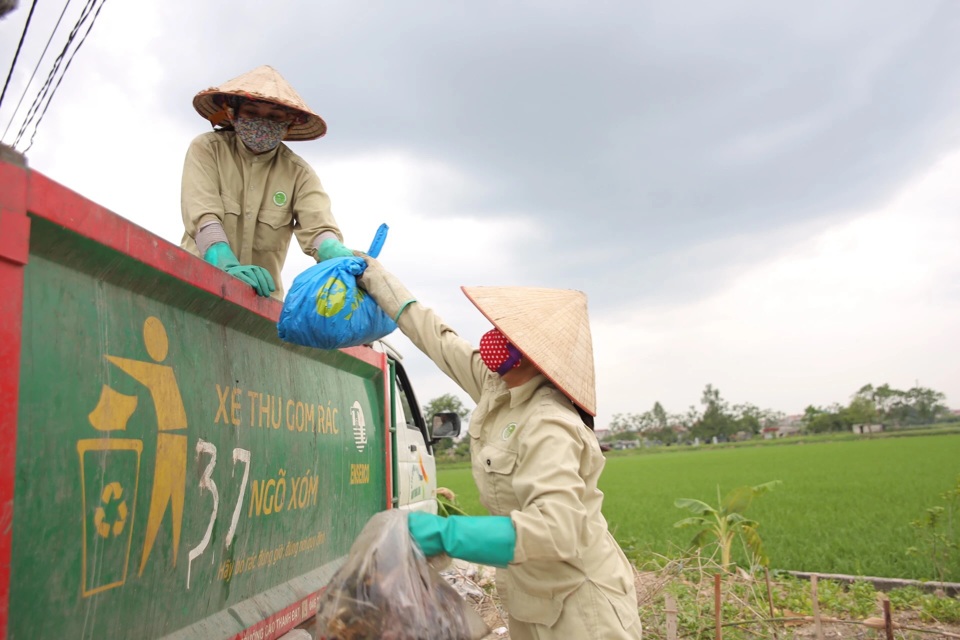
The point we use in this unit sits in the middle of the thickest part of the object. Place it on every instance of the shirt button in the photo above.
(488, 462)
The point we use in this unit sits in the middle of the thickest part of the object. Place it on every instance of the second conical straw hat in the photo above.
(263, 83)
(551, 327)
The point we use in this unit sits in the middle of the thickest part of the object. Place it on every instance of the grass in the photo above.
(844, 506)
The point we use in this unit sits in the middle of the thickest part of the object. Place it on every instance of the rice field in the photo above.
(843, 507)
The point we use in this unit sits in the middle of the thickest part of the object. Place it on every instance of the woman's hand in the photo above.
(384, 287)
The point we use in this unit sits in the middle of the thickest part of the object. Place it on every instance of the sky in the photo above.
(758, 196)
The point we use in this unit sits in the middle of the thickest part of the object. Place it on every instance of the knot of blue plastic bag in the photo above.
(326, 309)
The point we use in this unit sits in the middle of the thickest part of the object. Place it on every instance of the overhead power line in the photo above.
(17, 54)
(26, 87)
(46, 93)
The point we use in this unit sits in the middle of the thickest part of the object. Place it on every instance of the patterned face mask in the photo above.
(260, 134)
(497, 353)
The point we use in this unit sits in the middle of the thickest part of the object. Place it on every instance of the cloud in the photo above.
(746, 192)
(873, 299)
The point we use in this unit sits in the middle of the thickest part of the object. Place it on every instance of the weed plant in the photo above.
(746, 612)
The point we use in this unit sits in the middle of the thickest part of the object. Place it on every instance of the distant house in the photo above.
(788, 426)
(791, 421)
(780, 431)
(867, 428)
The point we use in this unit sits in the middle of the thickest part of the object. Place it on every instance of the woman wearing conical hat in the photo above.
(245, 193)
(535, 460)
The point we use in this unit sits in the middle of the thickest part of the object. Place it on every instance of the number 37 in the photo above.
(207, 484)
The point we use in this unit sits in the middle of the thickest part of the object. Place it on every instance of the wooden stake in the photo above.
(766, 572)
(887, 618)
(716, 607)
(671, 610)
(816, 607)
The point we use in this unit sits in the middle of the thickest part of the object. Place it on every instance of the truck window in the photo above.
(408, 414)
(411, 411)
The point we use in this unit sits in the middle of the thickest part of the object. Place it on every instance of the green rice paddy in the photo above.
(843, 507)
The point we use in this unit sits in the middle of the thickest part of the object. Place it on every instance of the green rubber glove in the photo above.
(484, 539)
(222, 257)
(332, 248)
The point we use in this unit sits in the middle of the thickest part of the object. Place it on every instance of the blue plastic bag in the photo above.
(326, 309)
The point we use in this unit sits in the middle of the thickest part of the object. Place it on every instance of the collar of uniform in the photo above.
(250, 156)
(522, 393)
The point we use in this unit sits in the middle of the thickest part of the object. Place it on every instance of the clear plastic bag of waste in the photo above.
(387, 590)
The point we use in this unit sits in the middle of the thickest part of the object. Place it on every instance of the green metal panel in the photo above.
(174, 458)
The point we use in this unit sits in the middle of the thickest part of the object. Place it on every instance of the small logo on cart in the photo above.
(359, 426)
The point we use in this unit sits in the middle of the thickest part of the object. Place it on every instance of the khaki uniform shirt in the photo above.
(261, 200)
(534, 460)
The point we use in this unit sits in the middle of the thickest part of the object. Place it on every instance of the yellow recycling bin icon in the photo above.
(112, 495)
(105, 559)
(106, 466)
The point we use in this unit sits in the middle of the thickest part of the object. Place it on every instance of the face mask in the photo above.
(260, 134)
(497, 353)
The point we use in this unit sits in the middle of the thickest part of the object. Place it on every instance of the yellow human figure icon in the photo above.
(170, 473)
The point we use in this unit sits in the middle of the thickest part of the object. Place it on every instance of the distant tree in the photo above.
(862, 410)
(927, 404)
(632, 422)
(623, 422)
(666, 435)
(715, 421)
(659, 416)
(817, 420)
(748, 417)
(884, 397)
(772, 418)
(918, 405)
(711, 397)
(690, 418)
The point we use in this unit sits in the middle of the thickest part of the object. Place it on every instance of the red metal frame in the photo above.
(14, 248)
(283, 621)
(54, 202)
(23, 190)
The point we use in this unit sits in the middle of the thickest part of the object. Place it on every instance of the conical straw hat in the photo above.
(551, 328)
(263, 83)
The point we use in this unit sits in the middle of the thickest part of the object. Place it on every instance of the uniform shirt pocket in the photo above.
(497, 460)
(230, 205)
(274, 228)
(497, 493)
(231, 216)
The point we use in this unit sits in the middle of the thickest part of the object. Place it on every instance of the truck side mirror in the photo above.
(445, 425)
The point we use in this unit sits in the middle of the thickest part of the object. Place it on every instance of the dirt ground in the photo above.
(476, 584)
(907, 626)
